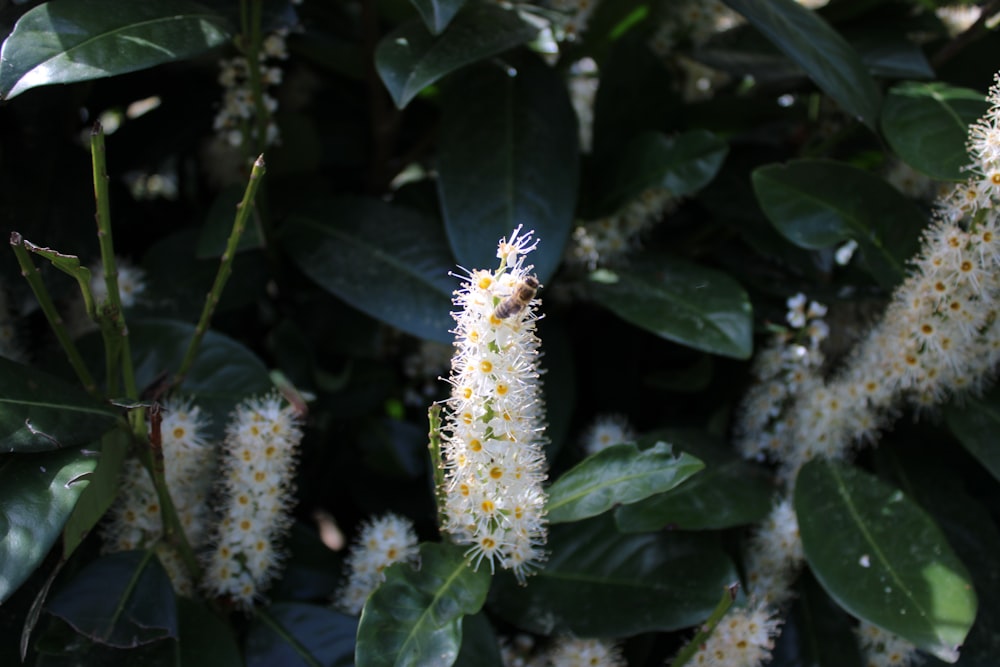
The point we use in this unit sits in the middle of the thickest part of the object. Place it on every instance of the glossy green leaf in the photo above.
(293, 633)
(415, 616)
(927, 125)
(882, 558)
(819, 203)
(410, 58)
(123, 600)
(813, 45)
(889, 52)
(40, 412)
(976, 423)
(37, 495)
(206, 640)
(728, 492)
(437, 14)
(508, 157)
(598, 582)
(618, 475)
(101, 491)
(224, 372)
(78, 40)
(683, 164)
(388, 262)
(689, 304)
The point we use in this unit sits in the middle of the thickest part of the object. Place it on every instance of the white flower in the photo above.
(382, 541)
(256, 499)
(494, 425)
(607, 430)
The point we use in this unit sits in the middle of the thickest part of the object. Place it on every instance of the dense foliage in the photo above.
(432, 332)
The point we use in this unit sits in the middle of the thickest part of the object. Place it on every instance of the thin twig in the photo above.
(30, 273)
(973, 33)
(705, 631)
(225, 269)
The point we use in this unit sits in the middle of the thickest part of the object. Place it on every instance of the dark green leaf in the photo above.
(976, 423)
(100, 492)
(819, 203)
(682, 164)
(508, 156)
(409, 58)
(37, 495)
(437, 14)
(415, 616)
(598, 582)
(388, 262)
(728, 492)
(819, 50)
(891, 53)
(618, 475)
(292, 634)
(39, 412)
(882, 558)
(816, 632)
(122, 600)
(479, 643)
(206, 640)
(77, 40)
(224, 372)
(927, 125)
(689, 304)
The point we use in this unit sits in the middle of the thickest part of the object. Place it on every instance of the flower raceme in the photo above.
(494, 426)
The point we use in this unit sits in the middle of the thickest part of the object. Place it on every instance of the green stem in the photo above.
(115, 313)
(173, 530)
(31, 274)
(252, 40)
(225, 269)
(434, 445)
(705, 631)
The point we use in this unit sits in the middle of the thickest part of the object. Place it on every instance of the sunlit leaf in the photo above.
(77, 40)
(386, 261)
(123, 600)
(813, 45)
(415, 616)
(927, 125)
(728, 492)
(689, 304)
(37, 495)
(39, 412)
(293, 633)
(508, 157)
(819, 203)
(618, 475)
(598, 582)
(410, 58)
(882, 558)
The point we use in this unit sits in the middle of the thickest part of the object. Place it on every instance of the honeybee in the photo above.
(520, 298)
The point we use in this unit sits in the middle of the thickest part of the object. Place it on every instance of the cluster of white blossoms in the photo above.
(744, 638)
(494, 426)
(884, 649)
(382, 541)
(608, 241)
(255, 492)
(562, 652)
(236, 120)
(134, 521)
(607, 430)
(938, 339)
